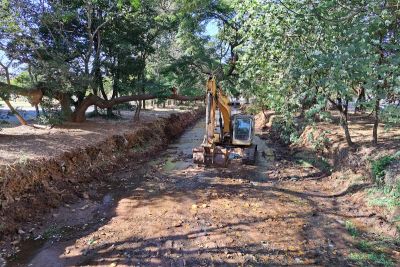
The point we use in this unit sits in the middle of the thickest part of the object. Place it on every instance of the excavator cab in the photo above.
(243, 130)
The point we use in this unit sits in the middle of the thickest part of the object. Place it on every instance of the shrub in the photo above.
(378, 167)
(284, 130)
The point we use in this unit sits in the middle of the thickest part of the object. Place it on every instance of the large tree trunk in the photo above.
(79, 113)
(65, 102)
(376, 123)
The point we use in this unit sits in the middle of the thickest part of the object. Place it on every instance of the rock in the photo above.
(204, 206)
(194, 206)
(21, 232)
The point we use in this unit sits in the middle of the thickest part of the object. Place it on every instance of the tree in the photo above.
(301, 56)
(73, 47)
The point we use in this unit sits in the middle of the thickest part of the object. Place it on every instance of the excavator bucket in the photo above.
(221, 157)
(211, 156)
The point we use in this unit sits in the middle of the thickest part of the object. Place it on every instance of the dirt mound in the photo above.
(30, 188)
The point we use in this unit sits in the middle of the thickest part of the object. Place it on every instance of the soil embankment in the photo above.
(29, 188)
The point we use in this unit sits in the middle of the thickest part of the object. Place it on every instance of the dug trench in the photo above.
(30, 188)
(166, 211)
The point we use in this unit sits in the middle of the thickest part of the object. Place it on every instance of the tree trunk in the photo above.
(15, 112)
(376, 123)
(136, 117)
(343, 118)
(360, 107)
(345, 126)
(65, 102)
(37, 111)
(110, 112)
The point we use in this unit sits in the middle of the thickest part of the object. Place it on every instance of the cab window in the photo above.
(242, 128)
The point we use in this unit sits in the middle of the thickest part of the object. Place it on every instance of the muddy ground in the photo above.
(169, 212)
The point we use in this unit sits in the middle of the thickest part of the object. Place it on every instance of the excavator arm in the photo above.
(217, 105)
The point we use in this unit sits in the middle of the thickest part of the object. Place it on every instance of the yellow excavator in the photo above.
(229, 135)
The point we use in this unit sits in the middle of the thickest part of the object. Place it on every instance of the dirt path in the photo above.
(169, 212)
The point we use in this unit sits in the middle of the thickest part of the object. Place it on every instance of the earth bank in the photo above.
(28, 188)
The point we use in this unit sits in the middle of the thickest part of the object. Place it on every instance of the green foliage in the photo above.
(372, 258)
(379, 166)
(53, 118)
(284, 130)
(300, 57)
(51, 113)
(253, 109)
(391, 116)
(320, 142)
(124, 106)
(370, 253)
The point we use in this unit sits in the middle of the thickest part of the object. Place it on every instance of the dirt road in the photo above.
(169, 212)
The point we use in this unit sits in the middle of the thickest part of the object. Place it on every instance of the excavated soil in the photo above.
(31, 187)
(169, 212)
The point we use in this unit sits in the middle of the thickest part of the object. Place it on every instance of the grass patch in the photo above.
(385, 196)
(371, 258)
(308, 160)
(304, 163)
(352, 229)
(51, 232)
(370, 253)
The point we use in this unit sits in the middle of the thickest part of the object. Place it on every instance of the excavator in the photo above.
(228, 134)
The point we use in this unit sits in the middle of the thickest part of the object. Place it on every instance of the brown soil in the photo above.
(18, 144)
(32, 186)
(336, 149)
(168, 212)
